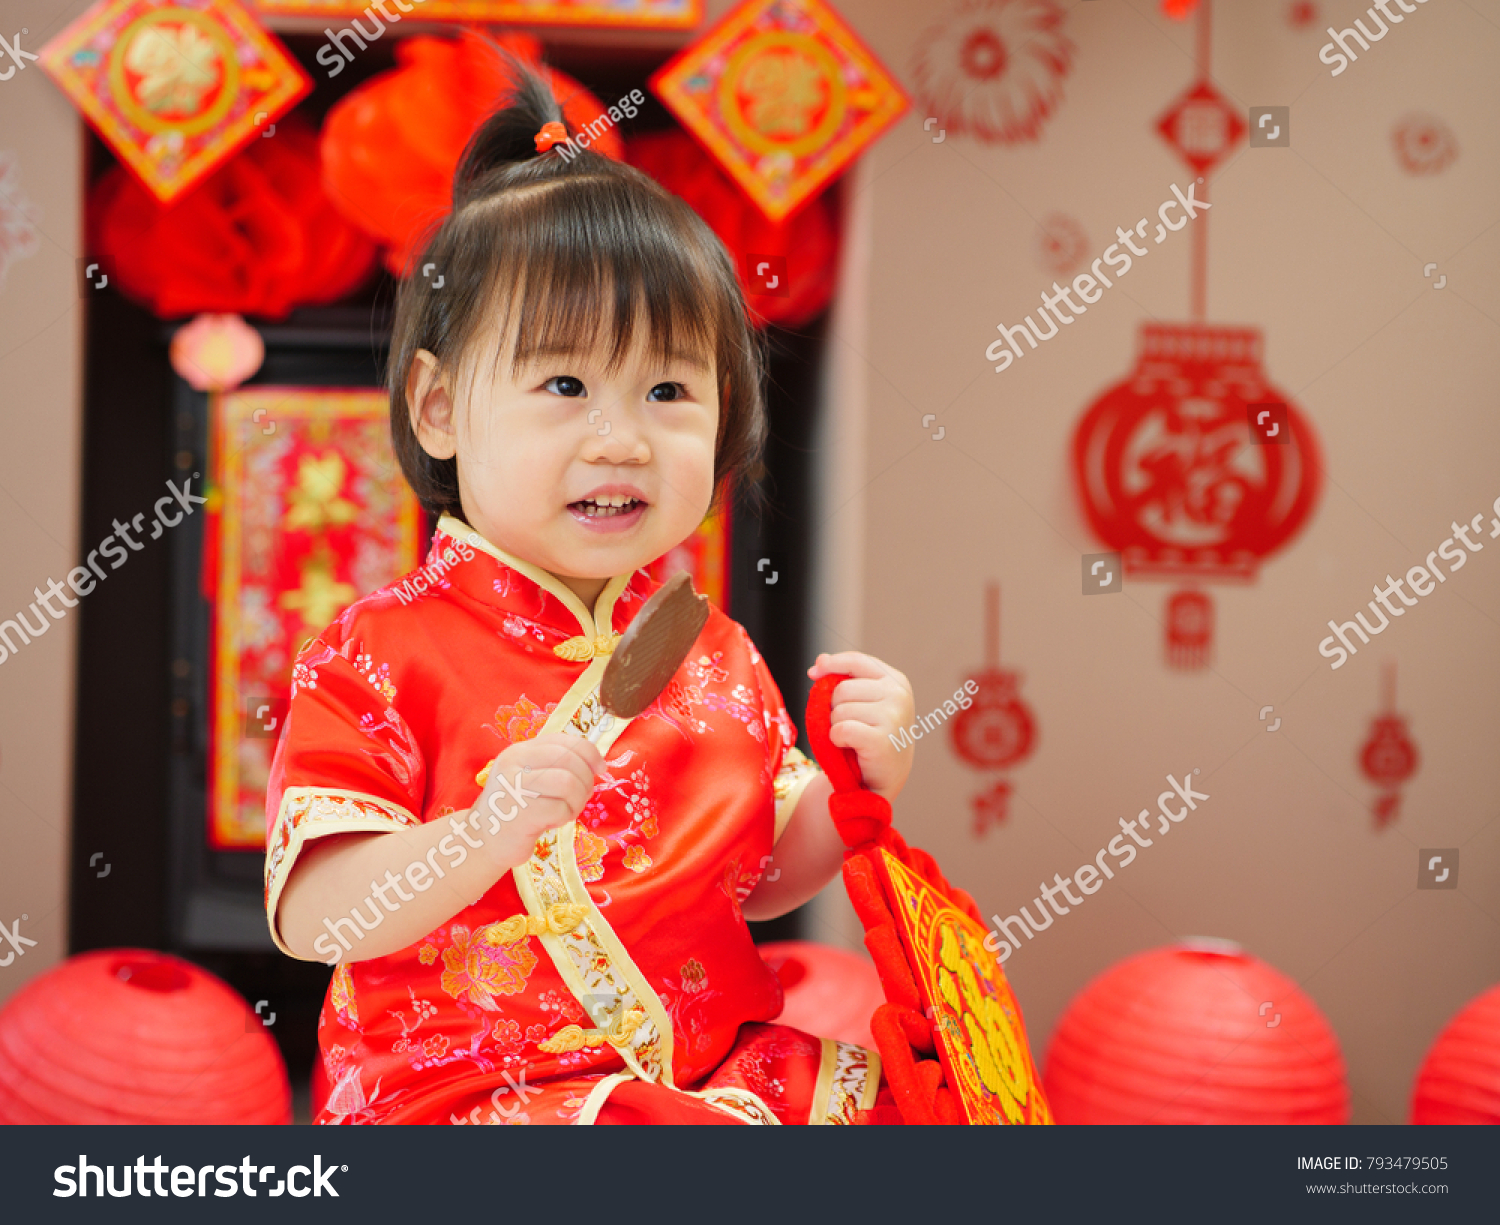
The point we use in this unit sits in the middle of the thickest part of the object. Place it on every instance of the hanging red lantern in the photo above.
(132, 1036)
(1173, 477)
(1389, 757)
(1459, 1081)
(803, 249)
(391, 146)
(257, 237)
(1198, 1032)
(997, 731)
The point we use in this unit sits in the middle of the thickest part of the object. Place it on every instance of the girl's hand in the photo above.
(534, 785)
(870, 707)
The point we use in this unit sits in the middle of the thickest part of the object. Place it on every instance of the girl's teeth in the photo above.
(594, 510)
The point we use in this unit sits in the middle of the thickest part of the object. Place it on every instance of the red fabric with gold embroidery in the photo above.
(951, 1036)
(396, 708)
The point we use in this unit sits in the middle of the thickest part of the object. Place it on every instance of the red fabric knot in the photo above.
(860, 816)
(551, 134)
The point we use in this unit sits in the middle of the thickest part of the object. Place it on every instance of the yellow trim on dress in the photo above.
(317, 812)
(741, 1103)
(791, 780)
(628, 1014)
(848, 1081)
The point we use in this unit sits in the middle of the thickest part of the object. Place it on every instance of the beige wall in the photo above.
(41, 389)
(1321, 245)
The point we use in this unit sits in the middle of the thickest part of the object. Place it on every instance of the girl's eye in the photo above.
(666, 392)
(565, 385)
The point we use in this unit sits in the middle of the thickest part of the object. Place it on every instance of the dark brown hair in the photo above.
(573, 247)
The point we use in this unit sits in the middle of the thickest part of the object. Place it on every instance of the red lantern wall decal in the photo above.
(1389, 757)
(1194, 465)
(1190, 629)
(997, 731)
(1171, 475)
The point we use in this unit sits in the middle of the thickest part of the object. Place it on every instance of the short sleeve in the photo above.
(346, 763)
(791, 770)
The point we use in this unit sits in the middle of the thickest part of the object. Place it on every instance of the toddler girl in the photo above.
(527, 927)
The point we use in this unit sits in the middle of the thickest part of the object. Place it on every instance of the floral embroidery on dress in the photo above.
(522, 721)
(517, 626)
(305, 670)
(738, 883)
(427, 954)
(341, 996)
(379, 677)
(403, 759)
(347, 1102)
(636, 859)
(478, 967)
(741, 705)
(589, 849)
(685, 998)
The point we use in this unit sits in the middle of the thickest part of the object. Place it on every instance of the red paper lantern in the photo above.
(132, 1036)
(830, 992)
(257, 237)
(800, 254)
(391, 146)
(1198, 1032)
(1459, 1081)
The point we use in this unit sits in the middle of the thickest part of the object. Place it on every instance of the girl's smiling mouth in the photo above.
(610, 509)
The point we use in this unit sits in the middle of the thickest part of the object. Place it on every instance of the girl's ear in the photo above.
(430, 408)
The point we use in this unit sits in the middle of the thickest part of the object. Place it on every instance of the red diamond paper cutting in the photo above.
(784, 95)
(1202, 127)
(174, 86)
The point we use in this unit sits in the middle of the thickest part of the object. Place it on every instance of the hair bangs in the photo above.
(595, 263)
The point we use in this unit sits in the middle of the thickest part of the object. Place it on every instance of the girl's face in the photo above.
(584, 472)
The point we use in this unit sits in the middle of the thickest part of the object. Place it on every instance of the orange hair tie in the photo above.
(551, 134)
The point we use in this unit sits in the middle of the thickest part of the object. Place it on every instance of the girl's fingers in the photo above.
(869, 714)
(855, 663)
(857, 736)
(570, 747)
(861, 689)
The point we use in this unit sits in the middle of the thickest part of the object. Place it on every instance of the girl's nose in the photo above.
(614, 435)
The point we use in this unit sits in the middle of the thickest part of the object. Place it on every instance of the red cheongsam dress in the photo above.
(611, 977)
